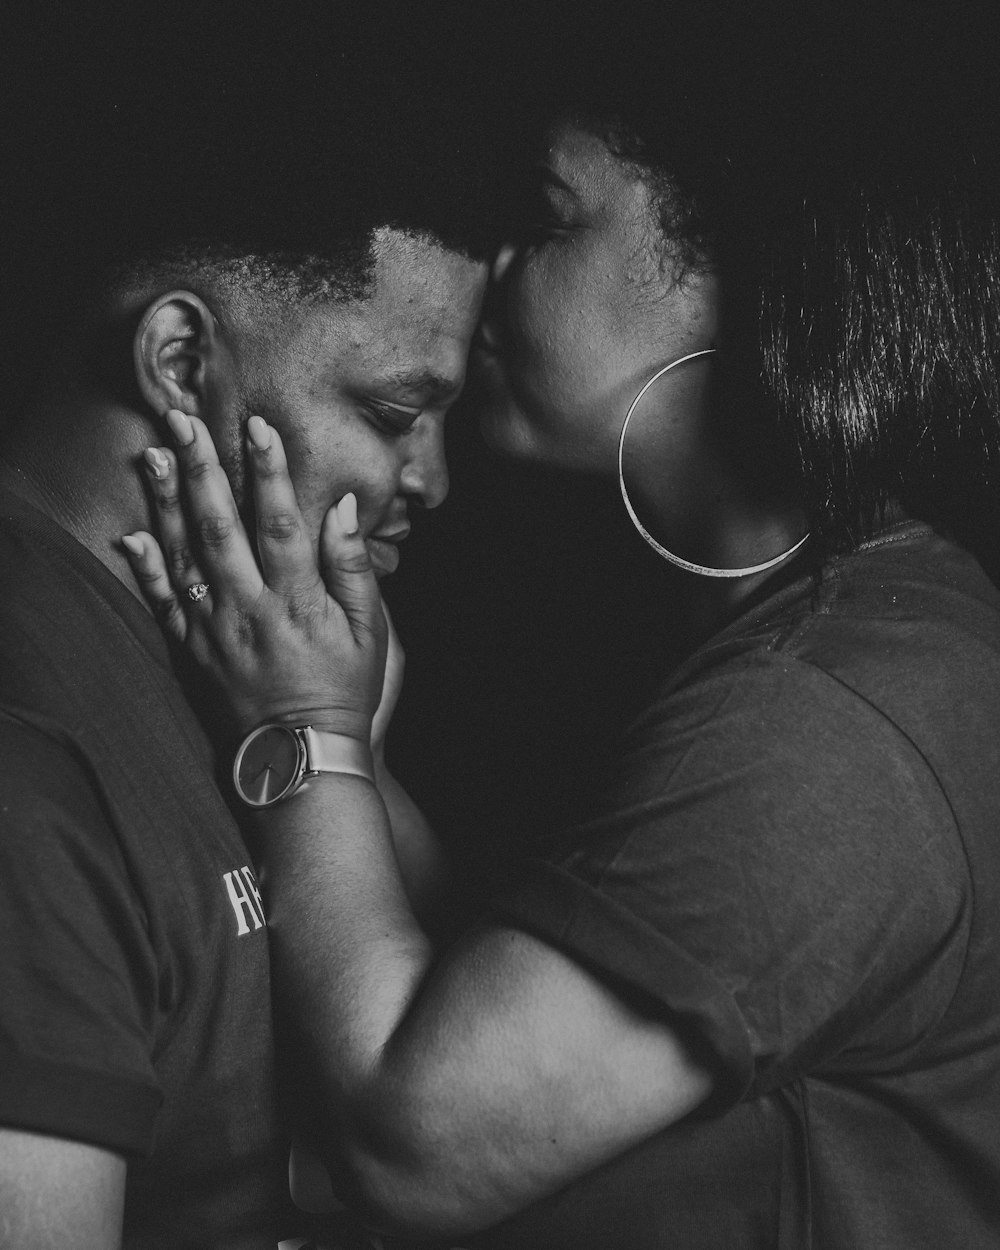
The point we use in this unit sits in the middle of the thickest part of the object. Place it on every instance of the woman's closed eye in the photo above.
(551, 209)
(547, 222)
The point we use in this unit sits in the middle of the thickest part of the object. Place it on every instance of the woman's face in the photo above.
(584, 311)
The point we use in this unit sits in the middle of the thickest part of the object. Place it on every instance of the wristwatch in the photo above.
(276, 760)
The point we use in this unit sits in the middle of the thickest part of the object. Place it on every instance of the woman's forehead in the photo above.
(569, 145)
(612, 192)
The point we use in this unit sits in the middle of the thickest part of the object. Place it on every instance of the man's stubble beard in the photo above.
(233, 456)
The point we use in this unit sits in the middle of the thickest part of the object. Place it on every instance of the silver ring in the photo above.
(197, 592)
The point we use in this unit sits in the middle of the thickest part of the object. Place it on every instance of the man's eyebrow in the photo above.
(436, 385)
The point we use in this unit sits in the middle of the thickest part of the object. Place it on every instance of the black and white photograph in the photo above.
(500, 625)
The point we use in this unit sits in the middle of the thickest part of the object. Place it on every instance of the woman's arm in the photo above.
(419, 854)
(456, 1089)
(59, 1194)
(422, 863)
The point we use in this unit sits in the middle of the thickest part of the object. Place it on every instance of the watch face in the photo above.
(268, 765)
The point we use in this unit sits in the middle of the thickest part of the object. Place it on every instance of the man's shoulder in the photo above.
(72, 637)
(47, 583)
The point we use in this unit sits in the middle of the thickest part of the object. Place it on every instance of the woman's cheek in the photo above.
(534, 299)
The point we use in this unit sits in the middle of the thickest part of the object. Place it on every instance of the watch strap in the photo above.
(336, 753)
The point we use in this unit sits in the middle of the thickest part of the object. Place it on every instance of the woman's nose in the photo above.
(492, 316)
(502, 262)
(425, 473)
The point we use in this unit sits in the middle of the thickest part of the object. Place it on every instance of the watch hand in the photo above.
(259, 786)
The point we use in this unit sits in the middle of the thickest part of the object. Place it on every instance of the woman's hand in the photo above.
(287, 640)
(392, 685)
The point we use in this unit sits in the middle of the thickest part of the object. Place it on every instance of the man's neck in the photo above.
(79, 463)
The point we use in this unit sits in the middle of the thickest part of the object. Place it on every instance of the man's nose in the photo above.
(425, 473)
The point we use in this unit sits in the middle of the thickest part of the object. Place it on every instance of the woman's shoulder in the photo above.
(909, 599)
(886, 666)
(909, 616)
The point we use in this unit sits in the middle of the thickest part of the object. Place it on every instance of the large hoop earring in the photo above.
(703, 569)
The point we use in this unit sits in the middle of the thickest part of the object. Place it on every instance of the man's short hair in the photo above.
(271, 160)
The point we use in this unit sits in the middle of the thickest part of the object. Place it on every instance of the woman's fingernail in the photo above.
(157, 462)
(133, 544)
(347, 514)
(181, 426)
(259, 432)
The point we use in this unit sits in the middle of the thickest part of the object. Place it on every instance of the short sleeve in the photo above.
(772, 865)
(78, 979)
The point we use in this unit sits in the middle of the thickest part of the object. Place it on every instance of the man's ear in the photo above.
(176, 348)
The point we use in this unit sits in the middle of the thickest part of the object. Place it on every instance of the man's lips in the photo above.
(384, 549)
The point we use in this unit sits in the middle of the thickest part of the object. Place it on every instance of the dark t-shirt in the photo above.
(134, 991)
(797, 861)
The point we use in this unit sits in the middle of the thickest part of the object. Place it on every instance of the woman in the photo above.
(750, 1000)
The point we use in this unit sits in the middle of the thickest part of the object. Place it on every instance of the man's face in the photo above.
(359, 391)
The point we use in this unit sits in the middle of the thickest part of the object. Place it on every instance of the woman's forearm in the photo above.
(349, 961)
(348, 950)
(419, 854)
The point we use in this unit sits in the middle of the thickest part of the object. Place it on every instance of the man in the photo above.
(218, 274)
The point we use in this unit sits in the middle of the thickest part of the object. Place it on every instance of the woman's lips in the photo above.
(487, 339)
